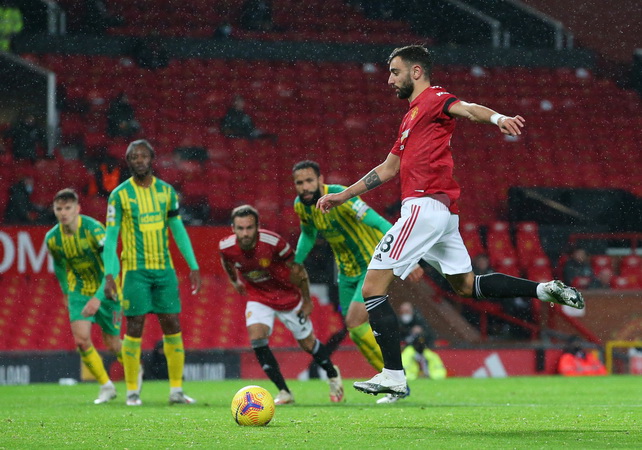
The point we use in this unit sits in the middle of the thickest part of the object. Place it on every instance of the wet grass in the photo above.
(528, 413)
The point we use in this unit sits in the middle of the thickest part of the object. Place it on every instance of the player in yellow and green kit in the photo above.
(76, 245)
(143, 208)
(352, 230)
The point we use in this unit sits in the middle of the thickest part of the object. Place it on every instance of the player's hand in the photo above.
(329, 201)
(195, 280)
(110, 288)
(306, 310)
(240, 287)
(416, 275)
(511, 125)
(91, 307)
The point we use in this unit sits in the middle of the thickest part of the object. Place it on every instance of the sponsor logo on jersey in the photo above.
(258, 276)
(151, 221)
(377, 257)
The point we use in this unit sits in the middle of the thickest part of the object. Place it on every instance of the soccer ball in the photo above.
(253, 406)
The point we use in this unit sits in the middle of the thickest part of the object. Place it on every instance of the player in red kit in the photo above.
(260, 265)
(428, 228)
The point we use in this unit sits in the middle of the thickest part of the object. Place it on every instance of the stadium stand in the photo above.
(210, 320)
(357, 117)
(314, 20)
(347, 127)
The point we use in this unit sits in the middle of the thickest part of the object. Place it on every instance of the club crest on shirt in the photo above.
(414, 112)
(264, 262)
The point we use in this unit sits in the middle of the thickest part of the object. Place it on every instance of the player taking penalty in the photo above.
(352, 230)
(76, 246)
(428, 228)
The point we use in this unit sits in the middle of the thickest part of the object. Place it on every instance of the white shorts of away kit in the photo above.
(256, 312)
(426, 230)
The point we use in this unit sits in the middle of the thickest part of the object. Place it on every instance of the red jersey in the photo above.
(264, 269)
(423, 144)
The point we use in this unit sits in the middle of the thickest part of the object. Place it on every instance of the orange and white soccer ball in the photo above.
(253, 406)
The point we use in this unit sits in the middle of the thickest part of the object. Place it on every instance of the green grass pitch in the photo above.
(519, 412)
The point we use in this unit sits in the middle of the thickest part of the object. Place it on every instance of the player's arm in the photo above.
(233, 276)
(479, 113)
(299, 277)
(110, 257)
(307, 239)
(376, 177)
(93, 305)
(373, 219)
(184, 244)
(60, 269)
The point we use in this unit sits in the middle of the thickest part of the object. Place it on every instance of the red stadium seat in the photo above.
(601, 262)
(499, 243)
(528, 244)
(539, 274)
(472, 239)
(622, 283)
(507, 265)
(631, 265)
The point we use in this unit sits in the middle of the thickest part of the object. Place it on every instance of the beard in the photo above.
(316, 195)
(405, 90)
(142, 173)
(247, 243)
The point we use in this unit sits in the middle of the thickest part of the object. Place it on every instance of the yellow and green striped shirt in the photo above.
(80, 254)
(143, 215)
(352, 241)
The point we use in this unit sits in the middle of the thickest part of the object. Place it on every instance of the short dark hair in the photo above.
(307, 164)
(143, 143)
(414, 54)
(66, 195)
(244, 211)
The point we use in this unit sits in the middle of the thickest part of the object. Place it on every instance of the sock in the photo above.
(498, 285)
(397, 375)
(364, 339)
(335, 340)
(385, 328)
(175, 355)
(131, 362)
(331, 345)
(119, 356)
(322, 358)
(270, 366)
(91, 358)
(543, 295)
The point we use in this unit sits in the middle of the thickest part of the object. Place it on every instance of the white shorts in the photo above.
(426, 230)
(256, 312)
